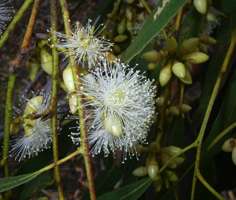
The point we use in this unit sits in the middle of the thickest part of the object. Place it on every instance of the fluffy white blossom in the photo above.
(5, 14)
(37, 132)
(122, 106)
(85, 45)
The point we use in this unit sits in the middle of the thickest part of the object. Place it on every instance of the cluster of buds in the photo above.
(230, 146)
(128, 17)
(157, 158)
(69, 80)
(177, 59)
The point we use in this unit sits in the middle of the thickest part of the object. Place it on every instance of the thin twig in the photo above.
(14, 21)
(83, 132)
(57, 176)
(214, 94)
(221, 135)
(11, 84)
(7, 122)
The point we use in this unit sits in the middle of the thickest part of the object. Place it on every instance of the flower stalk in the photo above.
(54, 92)
(83, 132)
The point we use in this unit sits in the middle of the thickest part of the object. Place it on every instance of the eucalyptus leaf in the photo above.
(151, 28)
(15, 181)
(128, 192)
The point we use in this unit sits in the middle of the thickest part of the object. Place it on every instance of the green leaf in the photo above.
(151, 29)
(34, 186)
(15, 181)
(128, 192)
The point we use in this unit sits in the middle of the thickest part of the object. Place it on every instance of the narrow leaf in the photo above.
(15, 181)
(151, 29)
(128, 192)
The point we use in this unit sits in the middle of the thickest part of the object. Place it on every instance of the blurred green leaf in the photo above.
(32, 187)
(128, 192)
(12, 182)
(151, 29)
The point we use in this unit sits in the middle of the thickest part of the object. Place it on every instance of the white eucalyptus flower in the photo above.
(5, 14)
(37, 132)
(85, 45)
(123, 106)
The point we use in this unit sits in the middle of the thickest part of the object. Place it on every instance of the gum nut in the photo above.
(140, 171)
(151, 56)
(165, 75)
(153, 171)
(73, 103)
(200, 5)
(33, 105)
(234, 155)
(196, 57)
(46, 61)
(228, 145)
(179, 69)
(68, 79)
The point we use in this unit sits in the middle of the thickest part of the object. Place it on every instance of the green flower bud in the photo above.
(151, 56)
(189, 45)
(152, 66)
(121, 26)
(46, 61)
(129, 26)
(120, 38)
(174, 110)
(185, 108)
(153, 171)
(179, 69)
(129, 14)
(140, 171)
(196, 57)
(68, 79)
(73, 103)
(32, 107)
(171, 45)
(228, 145)
(234, 155)
(171, 176)
(200, 5)
(165, 75)
(188, 78)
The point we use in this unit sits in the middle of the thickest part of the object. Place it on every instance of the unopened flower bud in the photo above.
(171, 45)
(196, 57)
(32, 107)
(33, 104)
(234, 155)
(121, 26)
(189, 45)
(140, 171)
(153, 171)
(113, 125)
(188, 78)
(151, 56)
(46, 61)
(200, 5)
(73, 103)
(171, 176)
(68, 78)
(174, 110)
(185, 108)
(229, 145)
(179, 69)
(120, 38)
(152, 66)
(165, 75)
